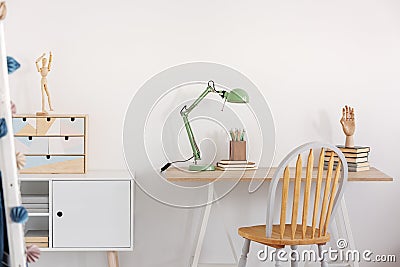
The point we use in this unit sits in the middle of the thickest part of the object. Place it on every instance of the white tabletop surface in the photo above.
(90, 175)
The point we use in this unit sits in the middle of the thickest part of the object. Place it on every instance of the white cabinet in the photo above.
(85, 212)
(91, 214)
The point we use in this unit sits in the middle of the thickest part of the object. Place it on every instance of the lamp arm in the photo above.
(185, 113)
(186, 110)
(195, 148)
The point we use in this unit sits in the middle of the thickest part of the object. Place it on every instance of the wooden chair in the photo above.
(308, 232)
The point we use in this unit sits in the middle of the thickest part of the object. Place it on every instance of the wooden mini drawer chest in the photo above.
(52, 143)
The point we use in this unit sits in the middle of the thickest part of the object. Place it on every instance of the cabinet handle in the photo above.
(59, 214)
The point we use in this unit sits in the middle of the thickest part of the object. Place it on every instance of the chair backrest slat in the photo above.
(307, 190)
(317, 192)
(285, 192)
(331, 200)
(332, 193)
(296, 195)
(327, 192)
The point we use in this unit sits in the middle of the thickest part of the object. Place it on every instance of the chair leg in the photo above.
(293, 262)
(278, 262)
(324, 263)
(245, 251)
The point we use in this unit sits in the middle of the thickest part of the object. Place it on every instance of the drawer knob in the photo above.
(59, 214)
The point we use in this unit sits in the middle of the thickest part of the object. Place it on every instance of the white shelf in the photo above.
(121, 175)
(37, 214)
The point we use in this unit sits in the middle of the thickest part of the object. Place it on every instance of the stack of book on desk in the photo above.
(38, 238)
(36, 203)
(356, 157)
(235, 165)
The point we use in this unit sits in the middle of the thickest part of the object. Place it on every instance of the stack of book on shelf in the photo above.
(38, 238)
(356, 157)
(36, 203)
(235, 165)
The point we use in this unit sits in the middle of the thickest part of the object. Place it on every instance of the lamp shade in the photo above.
(237, 96)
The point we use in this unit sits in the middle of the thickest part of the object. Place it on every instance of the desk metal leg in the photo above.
(228, 235)
(206, 216)
(203, 227)
(342, 223)
(341, 228)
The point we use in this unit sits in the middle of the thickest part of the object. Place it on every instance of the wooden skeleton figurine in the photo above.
(44, 70)
(348, 125)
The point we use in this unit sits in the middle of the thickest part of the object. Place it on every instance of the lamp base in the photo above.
(201, 168)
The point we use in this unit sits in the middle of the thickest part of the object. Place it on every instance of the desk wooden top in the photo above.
(178, 175)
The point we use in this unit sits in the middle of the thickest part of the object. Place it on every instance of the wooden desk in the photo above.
(177, 175)
(262, 174)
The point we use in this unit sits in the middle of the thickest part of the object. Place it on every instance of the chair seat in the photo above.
(258, 234)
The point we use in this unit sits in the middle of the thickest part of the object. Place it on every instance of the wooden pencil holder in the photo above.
(237, 150)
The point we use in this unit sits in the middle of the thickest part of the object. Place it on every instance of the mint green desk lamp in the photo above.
(234, 96)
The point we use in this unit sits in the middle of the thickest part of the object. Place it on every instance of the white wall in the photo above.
(309, 58)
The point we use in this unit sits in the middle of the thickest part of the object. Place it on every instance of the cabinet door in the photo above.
(91, 214)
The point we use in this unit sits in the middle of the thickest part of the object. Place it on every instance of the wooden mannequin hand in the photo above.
(348, 125)
(347, 121)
